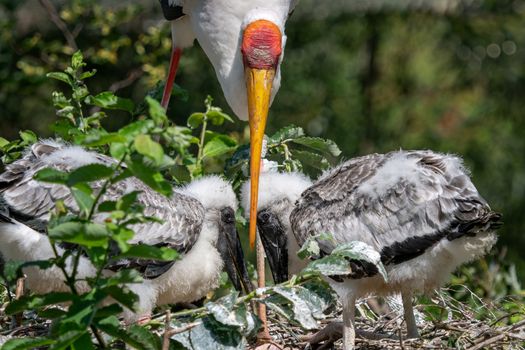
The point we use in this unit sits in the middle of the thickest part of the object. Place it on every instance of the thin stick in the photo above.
(19, 292)
(55, 18)
(166, 338)
(264, 334)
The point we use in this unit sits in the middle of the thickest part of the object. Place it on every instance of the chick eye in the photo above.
(227, 216)
(264, 217)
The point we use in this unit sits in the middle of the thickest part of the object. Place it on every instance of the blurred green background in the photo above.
(371, 75)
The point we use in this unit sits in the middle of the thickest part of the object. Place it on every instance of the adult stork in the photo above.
(198, 221)
(244, 41)
(418, 209)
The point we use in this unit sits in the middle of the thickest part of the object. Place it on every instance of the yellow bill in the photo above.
(259, 87)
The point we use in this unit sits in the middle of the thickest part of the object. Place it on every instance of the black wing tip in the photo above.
(4, 217)
(171, 13)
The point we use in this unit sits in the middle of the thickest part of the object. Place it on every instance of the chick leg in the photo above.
(348, 322)
(410, 319)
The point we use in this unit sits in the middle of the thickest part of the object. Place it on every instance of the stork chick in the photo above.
(419, 209)
(198, 222)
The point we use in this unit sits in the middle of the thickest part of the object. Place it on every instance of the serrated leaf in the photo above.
(96, 138)
(153, 179)
(195, 120)
(60, 76)
(301, 309)
(86, 234)
(217, 117)
(135, 336)
(31, 302)
(77, 60)
(222, 311)
(145, 251)
(358, 250)
(311, 159)
(51, 175)
(289, 132)
(219, 145)
(209, 335)
(109, 100)
(27, 343)
(123, 295)
(83, 197)
(156, 112)
(28, 137)
(331, 265)
(3, 142)
(66, 339)
(88, 74)
(89, 173)
(149, 148)
(310, 247)
(327, 147)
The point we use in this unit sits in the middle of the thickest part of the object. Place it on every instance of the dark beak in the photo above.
(229, 246)
(275, 244)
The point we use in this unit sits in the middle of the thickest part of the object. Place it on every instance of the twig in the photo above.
(55, 18)
(167, 330)
(130, 79)
(183, 329)
(19, 292)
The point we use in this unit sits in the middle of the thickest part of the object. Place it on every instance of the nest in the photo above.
(461, 328)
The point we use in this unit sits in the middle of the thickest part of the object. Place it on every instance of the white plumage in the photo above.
(418, 209)
(194, 218)
(218, 26)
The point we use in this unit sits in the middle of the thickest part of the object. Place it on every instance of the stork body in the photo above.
(244, 41)
(194, 218)
(418, 209)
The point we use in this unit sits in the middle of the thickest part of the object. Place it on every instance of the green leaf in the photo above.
(60, 76)
(66, 339)
(289, 132)
(52, 176)
(145, 251)
(137, 337)
(83, 197)
(153, 179)
(130, 131)
(84, 342)
(123, 295)
(219, 145)
(86, 234)
(223, 312)
(96, 138)
(217, 117)
(149, 148)
(3, 142)
(31, 302)
(89, 173)
(126, 201)
(88, 74)
(210, 335)
(301, 309)
(311, 159)
(357, 250)
(331, 265)
(156, 112)
(327, 147)
(28, 137)
(77, 60)
(195, 120)
(27, 343)
(311, 248)
(109, 100)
